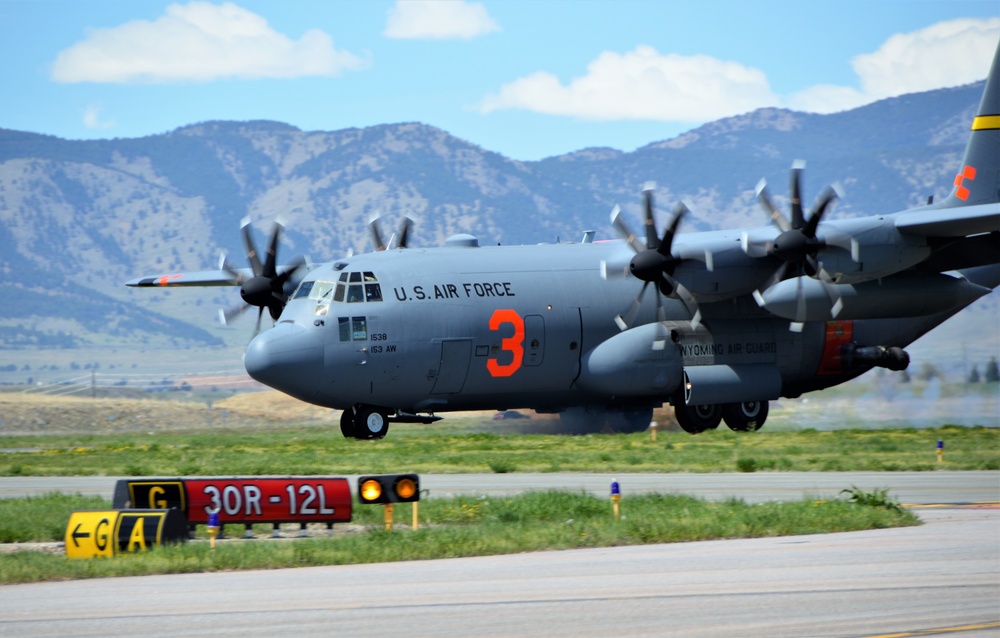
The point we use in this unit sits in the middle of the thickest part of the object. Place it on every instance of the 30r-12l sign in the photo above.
(247, 500)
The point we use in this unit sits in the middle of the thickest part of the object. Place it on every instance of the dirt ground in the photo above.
(34, 414)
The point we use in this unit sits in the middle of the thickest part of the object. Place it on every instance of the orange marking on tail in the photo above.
(968, 173)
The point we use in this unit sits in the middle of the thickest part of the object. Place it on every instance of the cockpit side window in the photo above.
(303, 289)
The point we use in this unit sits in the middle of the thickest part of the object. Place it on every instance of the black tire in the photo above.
(695, 419)
(347, 423)
(370, 422)
(578, 421)
(748, 416)
(630, 421)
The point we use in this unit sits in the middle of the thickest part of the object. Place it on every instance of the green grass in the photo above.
(312, 450)
(455, 527)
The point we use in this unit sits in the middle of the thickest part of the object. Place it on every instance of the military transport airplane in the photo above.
(734, 319)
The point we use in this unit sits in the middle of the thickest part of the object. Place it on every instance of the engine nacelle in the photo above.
(715, 384)
(859, 251)
(638, 362)
(905, 295)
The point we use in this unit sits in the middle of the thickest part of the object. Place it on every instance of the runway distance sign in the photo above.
(112, 532)
(244, 500)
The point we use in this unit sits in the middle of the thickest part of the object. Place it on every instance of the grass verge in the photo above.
(308, 450)
(450, 528)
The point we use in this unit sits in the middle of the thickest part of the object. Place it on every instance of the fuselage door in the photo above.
(454, 366)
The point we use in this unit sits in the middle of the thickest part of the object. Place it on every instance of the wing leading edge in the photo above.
(201, 278)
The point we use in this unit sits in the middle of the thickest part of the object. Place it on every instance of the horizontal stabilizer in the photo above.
(950, 222)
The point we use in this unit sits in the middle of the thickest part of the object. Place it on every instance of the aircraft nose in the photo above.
(287, 357)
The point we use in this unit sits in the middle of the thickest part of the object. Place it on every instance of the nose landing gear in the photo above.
(364, 422)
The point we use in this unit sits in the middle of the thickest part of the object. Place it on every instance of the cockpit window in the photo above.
(313, 289)
(351, 287)
(303, 289)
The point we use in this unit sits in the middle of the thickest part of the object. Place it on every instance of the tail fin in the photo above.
(978, 182)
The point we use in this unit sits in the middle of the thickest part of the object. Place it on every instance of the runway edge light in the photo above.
(388, 488)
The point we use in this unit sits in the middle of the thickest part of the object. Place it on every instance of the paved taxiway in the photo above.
(906, 487)
(945, 573)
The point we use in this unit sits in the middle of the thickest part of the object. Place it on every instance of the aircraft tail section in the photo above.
(978, 179)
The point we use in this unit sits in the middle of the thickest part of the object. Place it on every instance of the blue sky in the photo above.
(528, 79)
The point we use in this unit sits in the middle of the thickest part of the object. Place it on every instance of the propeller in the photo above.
(797, 245)
(653, 262)
(267, 288)
(397, 240)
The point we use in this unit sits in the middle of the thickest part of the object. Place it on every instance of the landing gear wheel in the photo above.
(748, 416)
(370, 422)
(695, 419)
(347, 423)
(578, 421)
(630, 421)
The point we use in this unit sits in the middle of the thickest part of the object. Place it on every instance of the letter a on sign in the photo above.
(138, 537)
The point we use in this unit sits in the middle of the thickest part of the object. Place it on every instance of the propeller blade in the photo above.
(292, 268)
(376, 234)
(226, 267)
(652, 241)
(624, 323)
(227, 315)
(260, 313)
(404, 231)
(836, 302)
(690, 303)
(252, 257)
(764, 197)
(611, 271)
(800, 301)
(270, 262)
(624, 231)
(826, 198)
(795, 190)
(668, 235)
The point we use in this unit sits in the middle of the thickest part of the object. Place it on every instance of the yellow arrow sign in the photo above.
(91, 534)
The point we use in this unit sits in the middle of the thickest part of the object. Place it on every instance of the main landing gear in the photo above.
(748, 416)
(591, 420)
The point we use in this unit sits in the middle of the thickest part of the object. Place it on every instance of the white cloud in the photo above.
(642, 85)
(92, 118)
(438, 20)
(944, 54)
(199, 42)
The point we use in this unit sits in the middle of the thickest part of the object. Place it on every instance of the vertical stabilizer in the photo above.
(978, 179)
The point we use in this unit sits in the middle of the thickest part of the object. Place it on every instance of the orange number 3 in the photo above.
(514, 344)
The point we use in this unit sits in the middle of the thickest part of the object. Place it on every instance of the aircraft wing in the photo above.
(951, 222)
(202, 278)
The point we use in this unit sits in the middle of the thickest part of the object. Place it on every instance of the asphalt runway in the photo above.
(944, 575)
(906, 487)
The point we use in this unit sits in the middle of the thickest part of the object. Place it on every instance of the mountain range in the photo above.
(79, 218)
